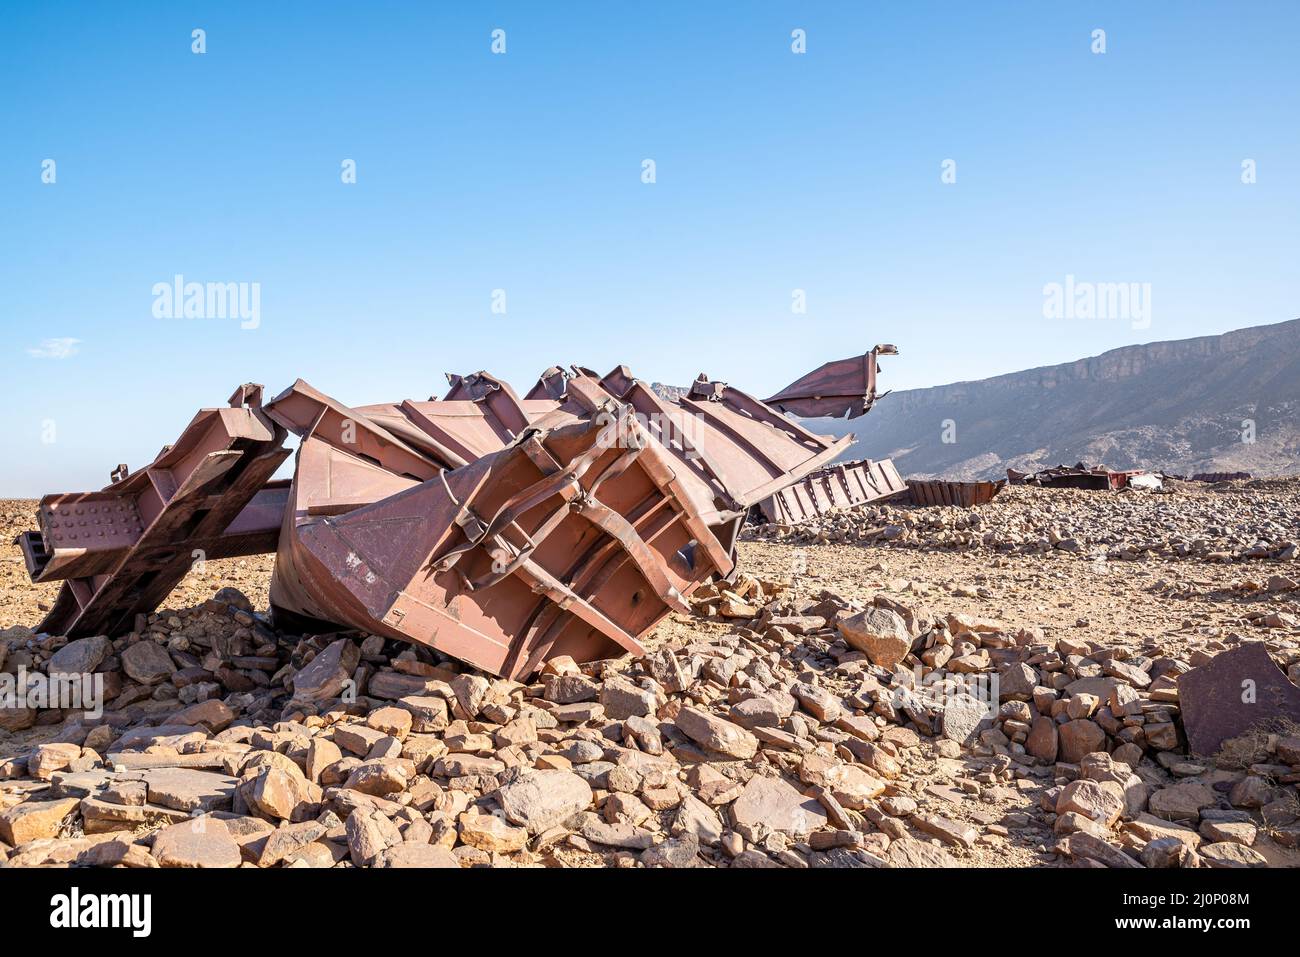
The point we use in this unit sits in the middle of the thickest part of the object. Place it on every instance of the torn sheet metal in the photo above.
(1235, 692)
(844, 388)
(120, 551)
(842, 485)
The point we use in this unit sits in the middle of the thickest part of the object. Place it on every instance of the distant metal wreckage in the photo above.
(498, 529)
(1081, 476)
(963, 494)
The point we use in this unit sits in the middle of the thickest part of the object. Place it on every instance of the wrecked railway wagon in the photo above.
(498, 529)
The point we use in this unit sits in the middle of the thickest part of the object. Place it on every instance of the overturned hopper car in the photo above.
(495, 528)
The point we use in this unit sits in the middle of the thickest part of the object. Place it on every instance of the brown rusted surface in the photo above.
(503, 530)
(846, 387)
(1235, 692)
(964, 494)
(121, 550)
(842, 485)
(495, 527)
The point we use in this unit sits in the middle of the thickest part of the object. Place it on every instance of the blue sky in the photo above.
(522, 172)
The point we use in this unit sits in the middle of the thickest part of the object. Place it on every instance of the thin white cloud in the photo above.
(59, 348)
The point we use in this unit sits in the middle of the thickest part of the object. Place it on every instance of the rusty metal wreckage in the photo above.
(497, 529)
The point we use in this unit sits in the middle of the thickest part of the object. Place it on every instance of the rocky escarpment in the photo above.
(1213, 403)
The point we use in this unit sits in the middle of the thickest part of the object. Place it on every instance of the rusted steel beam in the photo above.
(254, 531)
(121, 550)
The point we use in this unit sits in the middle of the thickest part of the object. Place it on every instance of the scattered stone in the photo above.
(879, 633)
(32, 820)
(200, 842)
(1231, 854)
(325, 675)
(1100, 801)
(540, 800)
(416, 856)
(1080, 737)
(147, 663)
(963, 718)
(81, 656)
(716, 734)
(488, 832)
(1181, 802)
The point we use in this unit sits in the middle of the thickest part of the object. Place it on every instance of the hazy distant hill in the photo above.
(1177, 406)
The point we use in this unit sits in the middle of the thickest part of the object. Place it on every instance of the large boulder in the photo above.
(322, 678)
(147, 662)
(81, 656)
(542, 799)
(879, 633)
(716, 734)
(769, 804)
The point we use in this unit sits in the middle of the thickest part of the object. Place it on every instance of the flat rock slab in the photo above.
(202, 842)
(773, 804)
(168, 735)
(623, 835)
(909, 852)
(543, 799)
(32, 820)
(188, 789)
(417, 855)
(1230, 854)
(1100, 686)
(80, 784)
(1236, 691)
(141, 760)
(99, 816)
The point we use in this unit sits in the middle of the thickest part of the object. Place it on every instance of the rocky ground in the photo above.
(828, 711)
(1230, 521)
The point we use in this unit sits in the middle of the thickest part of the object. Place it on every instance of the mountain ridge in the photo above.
(1219, 403)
